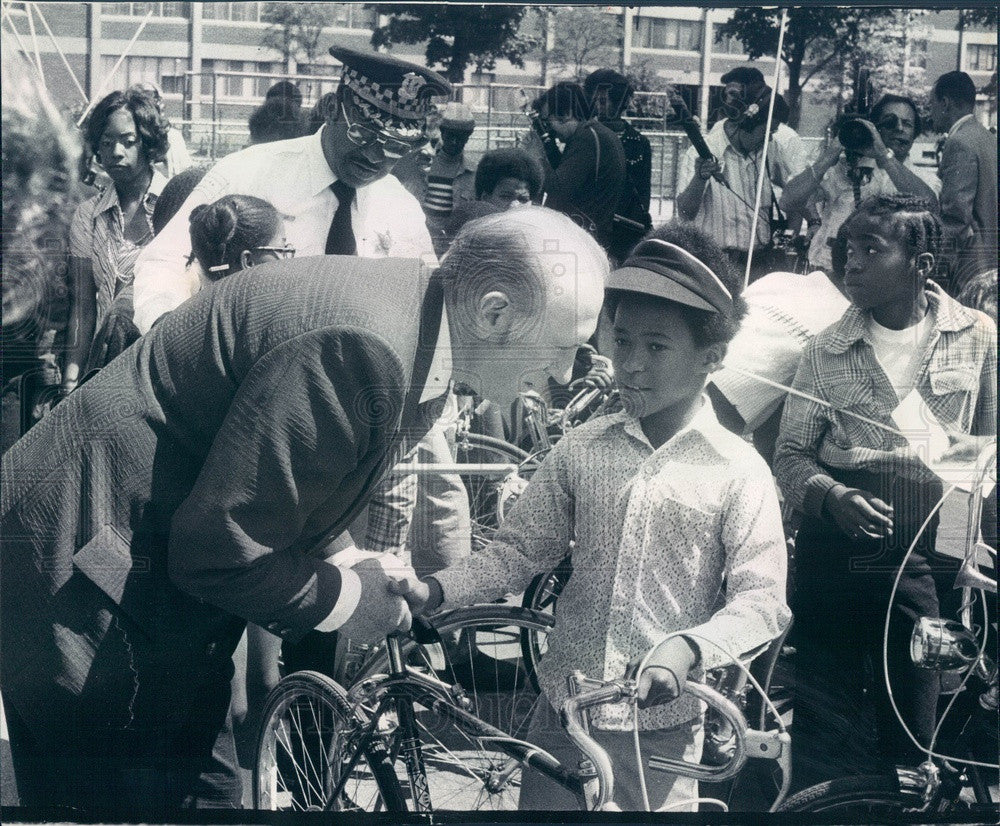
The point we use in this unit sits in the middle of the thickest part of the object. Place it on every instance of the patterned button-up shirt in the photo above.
(684, 537)
(97, 234)
(957, 379)
(726, 215)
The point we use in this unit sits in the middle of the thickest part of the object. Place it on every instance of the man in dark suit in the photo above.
(197, 481)
(968, 171)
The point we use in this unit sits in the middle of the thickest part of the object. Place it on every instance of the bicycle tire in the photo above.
(476, 448)
(299, 700)
(487, 664)
(858, 799)
(542, 595)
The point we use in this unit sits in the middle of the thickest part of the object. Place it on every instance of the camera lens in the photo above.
(854, 136)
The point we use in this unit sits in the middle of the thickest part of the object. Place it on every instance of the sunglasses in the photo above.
(287, 251)
(393, 148)
(892, 122)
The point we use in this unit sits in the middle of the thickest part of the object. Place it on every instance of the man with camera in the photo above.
(718, 194)
(857, 164)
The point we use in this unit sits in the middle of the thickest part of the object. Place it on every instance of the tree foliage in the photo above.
(890, 49)
(983, 16)
(816, 37)
(585, 38)
(295, 28)
(457, 36)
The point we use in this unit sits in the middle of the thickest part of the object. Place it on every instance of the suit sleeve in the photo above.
(959, 172)
(300, 422)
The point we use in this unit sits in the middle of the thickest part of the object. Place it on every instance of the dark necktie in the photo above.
(340, 239)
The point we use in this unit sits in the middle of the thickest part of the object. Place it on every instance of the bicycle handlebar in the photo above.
(734, 717)
(617, 690)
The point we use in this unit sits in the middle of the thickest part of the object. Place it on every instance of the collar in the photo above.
(108, 199)
(955, 126)
(948, 315)
(314, 168)
(439, 374)
(704, 423)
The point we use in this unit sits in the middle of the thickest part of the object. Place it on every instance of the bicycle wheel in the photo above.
(474, 448)
(541, 595)
(857, 799)
(477, 649)
(306, 744)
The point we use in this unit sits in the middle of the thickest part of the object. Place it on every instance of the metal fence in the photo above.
(500, 112)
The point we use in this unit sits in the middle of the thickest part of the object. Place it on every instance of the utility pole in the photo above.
(961, 40)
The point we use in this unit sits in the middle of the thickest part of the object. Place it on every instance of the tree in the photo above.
(295, 28)
(456, 35)
(889, 49)
(816, 38)
(584, 37)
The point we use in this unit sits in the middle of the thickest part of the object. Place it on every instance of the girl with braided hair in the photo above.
(843, 462)
(236, 232)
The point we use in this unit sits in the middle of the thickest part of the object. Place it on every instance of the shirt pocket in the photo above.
(954, 389)
(853, 401)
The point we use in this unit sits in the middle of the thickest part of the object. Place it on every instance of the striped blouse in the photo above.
(97, 234)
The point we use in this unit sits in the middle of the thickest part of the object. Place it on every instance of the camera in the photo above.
(853, 135)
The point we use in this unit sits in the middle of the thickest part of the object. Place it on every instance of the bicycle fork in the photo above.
(409, 744)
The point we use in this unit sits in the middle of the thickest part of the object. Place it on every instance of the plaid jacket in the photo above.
(957, 379)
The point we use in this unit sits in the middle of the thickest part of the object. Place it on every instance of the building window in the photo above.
(248, 85)
(729, 45)
(166, 72)
(353, 16)
(659, 33)
(981, 57)
(142, 9)
(239, 12)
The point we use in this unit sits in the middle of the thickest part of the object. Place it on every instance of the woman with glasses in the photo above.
(234, 233)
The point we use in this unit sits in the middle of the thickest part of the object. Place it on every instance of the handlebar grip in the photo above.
(734, 717)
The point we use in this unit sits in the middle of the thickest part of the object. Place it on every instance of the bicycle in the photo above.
(405, 738)
(939, 784)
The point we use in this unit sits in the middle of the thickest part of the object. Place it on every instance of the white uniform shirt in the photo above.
(684, 537)
(785, 310)
(294, 176)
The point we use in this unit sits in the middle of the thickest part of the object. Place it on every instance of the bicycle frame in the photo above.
(406, 687)
(591, 782)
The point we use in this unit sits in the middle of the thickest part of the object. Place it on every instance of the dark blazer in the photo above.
(186, 486)
(968, 171)
(589, 180)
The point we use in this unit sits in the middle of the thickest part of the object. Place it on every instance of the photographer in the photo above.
(858, 164)
(718, 195)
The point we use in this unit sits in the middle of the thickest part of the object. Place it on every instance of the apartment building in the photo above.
(209, 60)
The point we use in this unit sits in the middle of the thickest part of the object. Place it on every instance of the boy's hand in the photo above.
(423, 596)
(859, 513)
(965, 448)
(666, 672)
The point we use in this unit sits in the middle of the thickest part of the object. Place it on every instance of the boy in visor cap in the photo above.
(674, 507)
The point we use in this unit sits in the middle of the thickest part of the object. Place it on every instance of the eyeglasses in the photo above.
(393, 148)
(287, 251)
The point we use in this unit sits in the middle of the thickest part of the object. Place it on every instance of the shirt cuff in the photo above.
(816, 489)
(347, 602)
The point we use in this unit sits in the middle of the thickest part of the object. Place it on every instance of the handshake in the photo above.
(391, 593)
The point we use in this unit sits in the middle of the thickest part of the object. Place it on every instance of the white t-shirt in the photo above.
(899, 351)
